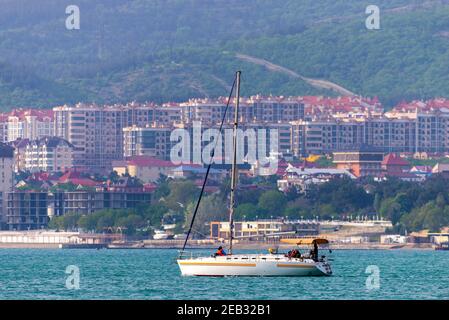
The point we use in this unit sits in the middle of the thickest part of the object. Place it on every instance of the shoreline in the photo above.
(237, 246)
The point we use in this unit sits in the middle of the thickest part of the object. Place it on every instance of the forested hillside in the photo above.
(170, 50)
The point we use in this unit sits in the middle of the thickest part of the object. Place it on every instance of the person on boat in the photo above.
(315, 252)
(220, 251)
(294, 254)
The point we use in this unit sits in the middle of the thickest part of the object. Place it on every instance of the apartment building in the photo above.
(262, 139)
(50, 154)
(361, 163)
(325, 136)
(97, 131)
(277, 109)
(33, 209)
(169, 114)
(253, 109)
(3, 127)
(393, 132)
(6, 178)
(430, 128)
(30, 124)
(152, 141)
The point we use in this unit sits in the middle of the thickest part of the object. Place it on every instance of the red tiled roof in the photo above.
(84, 182)
(39, 113)
(393, 160)
(69, 175)
(76, 178)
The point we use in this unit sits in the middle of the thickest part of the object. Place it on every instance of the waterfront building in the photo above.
(33, 209)
(53, 239)
(260, 229)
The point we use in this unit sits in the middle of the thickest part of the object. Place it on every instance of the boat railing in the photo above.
(185, 255)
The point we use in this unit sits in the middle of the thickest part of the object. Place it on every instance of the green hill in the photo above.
(171, 50)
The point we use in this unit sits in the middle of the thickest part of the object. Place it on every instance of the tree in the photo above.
(273, 202)
(129, 223)
(391, 210)
(155, 213)
(113, 176)
(292, 194)
(248, 211)
(88, 222)
(212, 208)
(295, 210)
(326, 211)
(181, 194)
(105, 221)
(56, 223)
(377, 202)
(430, 216)
(162, 190)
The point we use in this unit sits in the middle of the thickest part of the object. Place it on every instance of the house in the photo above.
(361, 163)
(395, 166)
(439, 238)
(302, 178)
(191, 171)
(147, 169)
(77, 179)
(422, 171)
(441, 168)
(272, 166)
(393, 238)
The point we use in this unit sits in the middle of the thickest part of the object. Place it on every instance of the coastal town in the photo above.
(87, 158)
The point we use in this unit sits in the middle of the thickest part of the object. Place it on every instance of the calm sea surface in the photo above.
(153, 274)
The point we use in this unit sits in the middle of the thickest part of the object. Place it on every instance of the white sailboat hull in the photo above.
(253, 265)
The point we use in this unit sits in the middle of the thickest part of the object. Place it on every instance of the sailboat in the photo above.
(270, 264)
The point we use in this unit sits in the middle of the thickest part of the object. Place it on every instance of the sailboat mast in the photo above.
(234, 162)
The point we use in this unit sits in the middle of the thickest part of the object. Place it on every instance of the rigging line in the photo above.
(208, 168)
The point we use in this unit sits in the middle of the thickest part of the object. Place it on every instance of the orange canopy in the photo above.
(306, 241)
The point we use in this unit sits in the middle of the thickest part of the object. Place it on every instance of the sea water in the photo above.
(154, 274)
